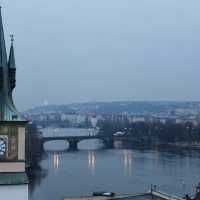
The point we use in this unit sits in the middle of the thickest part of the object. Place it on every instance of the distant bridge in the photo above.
(74, 140)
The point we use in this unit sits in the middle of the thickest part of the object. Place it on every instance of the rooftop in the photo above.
(13, 178)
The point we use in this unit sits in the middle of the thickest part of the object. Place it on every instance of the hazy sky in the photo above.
(89, 50)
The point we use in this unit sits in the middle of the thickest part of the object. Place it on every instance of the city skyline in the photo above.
(106, 104)
(78, 51)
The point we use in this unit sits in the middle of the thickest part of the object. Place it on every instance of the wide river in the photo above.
(93, 168)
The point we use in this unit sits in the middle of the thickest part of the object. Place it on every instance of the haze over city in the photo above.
(77, 51)
(99, 100)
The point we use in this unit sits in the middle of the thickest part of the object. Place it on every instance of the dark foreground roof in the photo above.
(13, 179)
(152, 195)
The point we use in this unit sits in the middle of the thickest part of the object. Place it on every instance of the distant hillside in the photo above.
(135, 107)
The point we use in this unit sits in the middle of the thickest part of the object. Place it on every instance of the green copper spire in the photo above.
(8, 111)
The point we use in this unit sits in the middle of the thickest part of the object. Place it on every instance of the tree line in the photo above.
(168, 132)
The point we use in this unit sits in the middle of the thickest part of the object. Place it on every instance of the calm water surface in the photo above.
(118, 170)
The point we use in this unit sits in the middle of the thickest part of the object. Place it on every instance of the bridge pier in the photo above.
(108, 143)
(73, 145)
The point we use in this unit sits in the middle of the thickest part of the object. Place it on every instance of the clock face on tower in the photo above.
(8, 143)
(3, 146)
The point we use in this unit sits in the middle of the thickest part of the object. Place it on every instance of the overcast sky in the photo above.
(93, 50)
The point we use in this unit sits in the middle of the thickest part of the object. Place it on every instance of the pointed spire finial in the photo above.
(11, 60)
(12, 38)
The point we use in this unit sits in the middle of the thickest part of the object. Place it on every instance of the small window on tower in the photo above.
(14, 117)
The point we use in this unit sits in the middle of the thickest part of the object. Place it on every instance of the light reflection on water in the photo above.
(56, 160)
(91, 160)
(117, 170)
(128, 161)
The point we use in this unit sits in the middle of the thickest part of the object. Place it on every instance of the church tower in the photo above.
(12, 124)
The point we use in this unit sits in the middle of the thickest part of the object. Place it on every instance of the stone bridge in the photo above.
(74, 140)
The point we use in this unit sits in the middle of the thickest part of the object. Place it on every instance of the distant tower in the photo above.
(12, 124)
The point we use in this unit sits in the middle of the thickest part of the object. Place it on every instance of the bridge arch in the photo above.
(55, 145)
(90, 144)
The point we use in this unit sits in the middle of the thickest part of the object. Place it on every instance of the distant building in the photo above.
(63, 116)
(81, 119)
(72, 118)
(94, 121)
(134, 119)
